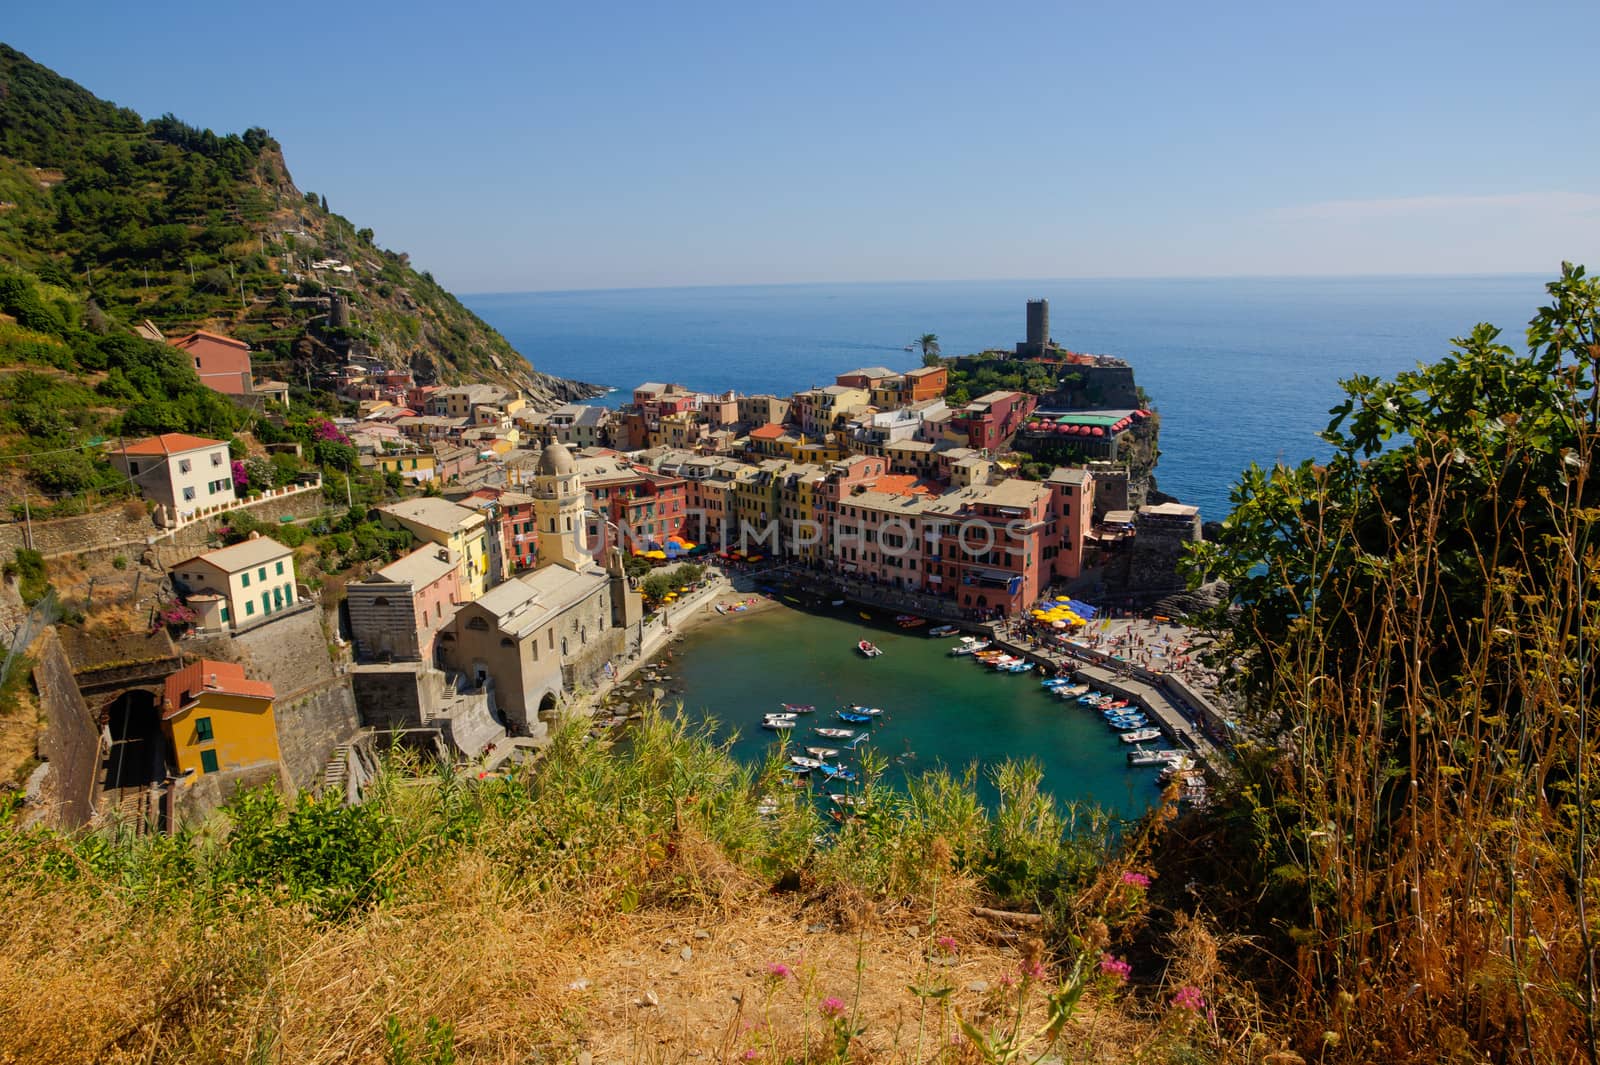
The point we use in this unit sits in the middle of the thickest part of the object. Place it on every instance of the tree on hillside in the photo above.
(929, 343)
(1415, 621)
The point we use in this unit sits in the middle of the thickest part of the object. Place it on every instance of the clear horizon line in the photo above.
(1355, 276)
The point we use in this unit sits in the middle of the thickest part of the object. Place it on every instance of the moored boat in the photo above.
(808, 763)
(1145, 756)
(823, 752)
(794, 709)
(870, 711)
(967, 648)
(777, 724)
(1141, 735)
(943, 630)
(869, 649)
(853, 718)
(835, 733)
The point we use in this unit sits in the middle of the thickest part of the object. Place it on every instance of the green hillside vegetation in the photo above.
(107, 220)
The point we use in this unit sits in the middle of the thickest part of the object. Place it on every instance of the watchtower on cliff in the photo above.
(1038, 342)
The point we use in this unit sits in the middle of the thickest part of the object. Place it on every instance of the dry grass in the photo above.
(519, 974)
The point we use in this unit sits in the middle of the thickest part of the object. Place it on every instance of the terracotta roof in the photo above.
(168, 444)
(209, 675)
(204, 334)
(770, 431)
(901, 484)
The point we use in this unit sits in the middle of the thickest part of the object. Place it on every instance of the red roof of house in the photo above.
(168, 444)
(209, 675)
(202, 334)
(770, 431)
(901, 484)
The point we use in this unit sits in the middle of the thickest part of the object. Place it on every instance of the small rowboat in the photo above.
(823, 752)
(778, 724)
(870, 711)
(805, 763)
(835, 733)
(837, 772)
(869, 649)
(854, 718)
(791, 708)
(943, 630)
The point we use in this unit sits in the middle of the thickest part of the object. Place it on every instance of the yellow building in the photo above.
(217, 719)
(417, 465)
(438, 521)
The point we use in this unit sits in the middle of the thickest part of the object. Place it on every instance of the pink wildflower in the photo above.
(1033, 970)
(947, 943)
(779, 971)
(750, 1055)
(1115, 968)
(1189, 998)
(832, 1008)
(1138, 880)
(1006, 980)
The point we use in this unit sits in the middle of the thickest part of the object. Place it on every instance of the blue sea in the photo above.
(1242, 370)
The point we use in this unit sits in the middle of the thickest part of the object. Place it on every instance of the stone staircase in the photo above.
(336, 773)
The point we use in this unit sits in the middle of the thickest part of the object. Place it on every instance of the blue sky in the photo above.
(543, 146)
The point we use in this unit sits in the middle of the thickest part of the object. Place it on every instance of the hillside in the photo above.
(119, 220)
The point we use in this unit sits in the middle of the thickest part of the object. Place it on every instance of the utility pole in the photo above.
(27, 518)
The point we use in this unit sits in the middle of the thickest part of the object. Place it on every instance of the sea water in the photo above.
(1242, 370)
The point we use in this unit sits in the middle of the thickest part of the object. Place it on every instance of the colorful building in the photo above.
(462, 530)
(238, 586)
(396, 612)
(990, 420)
(222, 363)
(180, 472)
(217, 719)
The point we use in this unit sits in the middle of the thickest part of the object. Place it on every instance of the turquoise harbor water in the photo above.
(937, 709)
(1242, 370)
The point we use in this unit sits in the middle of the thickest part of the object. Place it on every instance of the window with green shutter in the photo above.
(280, 569)
(202, 730)
(244, 580)
(208, 761)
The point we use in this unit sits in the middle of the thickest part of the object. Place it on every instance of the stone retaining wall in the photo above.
(70, 743)
(116, 529)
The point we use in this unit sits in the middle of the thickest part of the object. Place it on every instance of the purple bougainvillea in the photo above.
(322, 429)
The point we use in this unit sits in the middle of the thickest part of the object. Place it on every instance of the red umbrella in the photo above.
(1097, 431)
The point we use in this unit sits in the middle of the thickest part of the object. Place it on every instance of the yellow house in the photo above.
(438, 521)
(417, 465)
(217, 719)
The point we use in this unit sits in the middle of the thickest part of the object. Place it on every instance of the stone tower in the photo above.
(558, 510)
(1038, 341)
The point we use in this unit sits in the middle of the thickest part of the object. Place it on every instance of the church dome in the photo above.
(555, 460)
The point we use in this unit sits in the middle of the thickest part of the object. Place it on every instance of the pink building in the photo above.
(223, 363)
(396, 613)
(878, 536)
(992, 419)
(1071, 520)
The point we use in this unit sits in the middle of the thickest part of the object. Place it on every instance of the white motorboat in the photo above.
(822, 752)
(1143, 735)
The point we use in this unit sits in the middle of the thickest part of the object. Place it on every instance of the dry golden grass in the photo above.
(520, 975)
